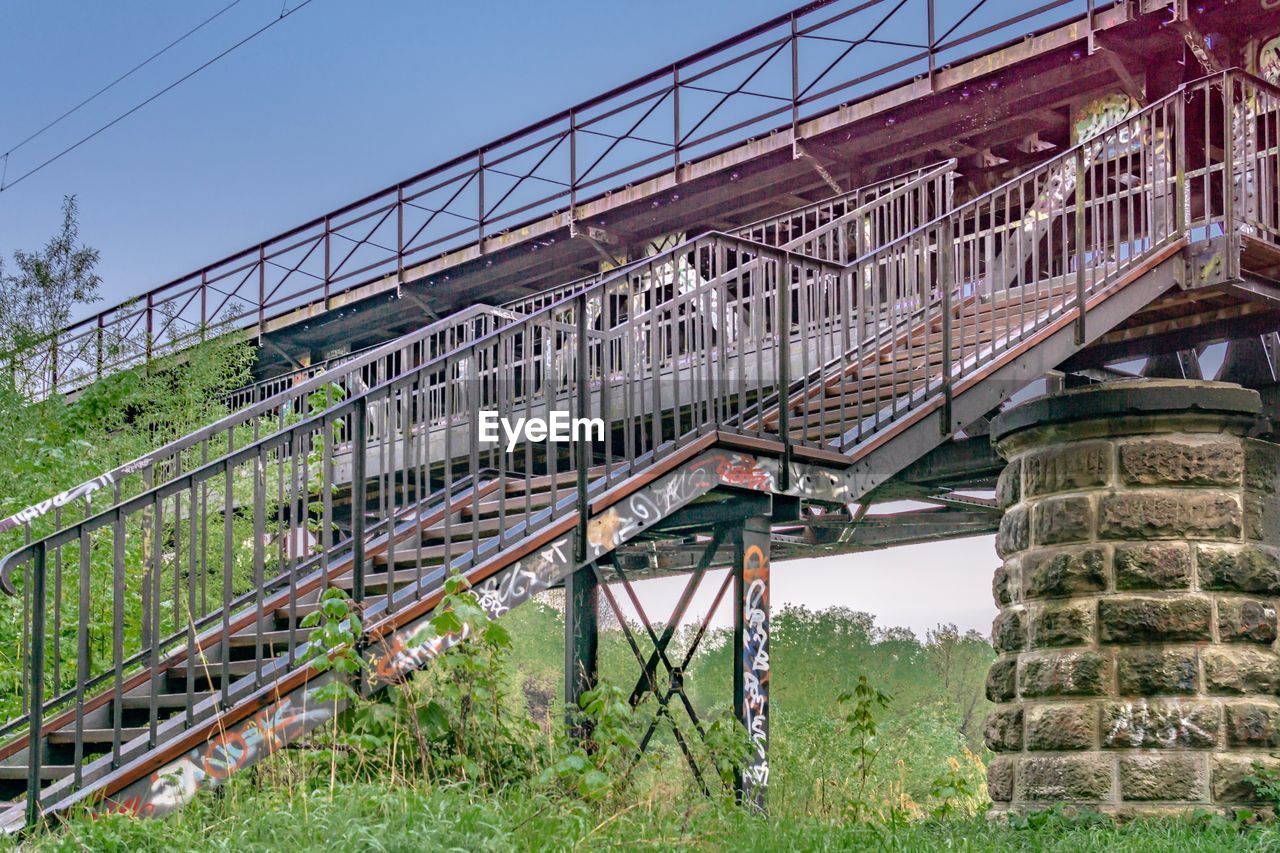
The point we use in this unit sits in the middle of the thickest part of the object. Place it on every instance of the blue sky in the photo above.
(340, 99)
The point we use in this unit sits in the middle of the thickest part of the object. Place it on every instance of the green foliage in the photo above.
(332, 646)
(456, 722)
(398, 776)
(1059, 817)
(860, 721)
(38, 299)
(377, 815)
(64, 443)
(1265, 782)
(601, 765)
(950, 791)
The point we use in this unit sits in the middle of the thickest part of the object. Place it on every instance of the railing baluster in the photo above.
(582, 403)
(35, 734)
(358, 479)
(1080, 248)
(946, 278)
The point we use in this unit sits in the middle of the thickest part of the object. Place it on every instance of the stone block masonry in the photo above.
(1137, 666)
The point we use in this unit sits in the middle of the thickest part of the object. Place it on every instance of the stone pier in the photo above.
(1137, 669)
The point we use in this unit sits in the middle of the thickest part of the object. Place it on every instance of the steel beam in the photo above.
(581, 644)
(751, 663)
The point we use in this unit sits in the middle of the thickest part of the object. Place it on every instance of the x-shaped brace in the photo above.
(647, 682)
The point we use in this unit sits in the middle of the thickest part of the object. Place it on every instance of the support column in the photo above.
(581, 642)
(1138, 670)
(751, 664)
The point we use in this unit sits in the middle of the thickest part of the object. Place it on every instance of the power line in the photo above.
(64, 152)
(128, 73)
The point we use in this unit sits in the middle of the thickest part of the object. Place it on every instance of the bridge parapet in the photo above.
(1137, 667)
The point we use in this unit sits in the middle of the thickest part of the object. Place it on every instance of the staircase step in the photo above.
(302, 610)
(214, 669)
(164, 701)
(516, 502)
(107, 736)
(10, 772)
(267, 638)
(378, 580)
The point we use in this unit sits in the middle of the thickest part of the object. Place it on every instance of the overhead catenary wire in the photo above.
(285, 13)
(144, 63)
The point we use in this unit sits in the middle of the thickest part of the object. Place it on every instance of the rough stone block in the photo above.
(1153, 566)
(1062, 674)
(1009, 630)
(1054, 727)
(1068, 624)
(1132, 619)
(1255, 724)
(1261, 466)
(1009, 485)
(1171, 776)
(1065, 777)
(1239, 568)
(1000, 771)
(1055, 521)
(1004, 585)
(1153, 672)
(1079, 465)
(1240, 669)
(1001, 679)
(1013, 535)
(1183, 461)
(1159, 724)
(1246, 620)
(1261, 516)
(1230, 776)
(1003, 731)
(1060, 573)
(1169, 514)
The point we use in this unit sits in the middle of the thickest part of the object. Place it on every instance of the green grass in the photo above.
(380, 817)
(381, 803)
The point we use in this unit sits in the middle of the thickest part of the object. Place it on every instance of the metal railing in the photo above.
(938, 306)
(892, 206)
(261, 409)
(835, 229)
(1255, 124)
(262, 529)
(772, 76)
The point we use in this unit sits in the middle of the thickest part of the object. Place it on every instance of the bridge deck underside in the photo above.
(999, 113)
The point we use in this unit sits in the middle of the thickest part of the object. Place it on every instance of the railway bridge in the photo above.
(817, 267)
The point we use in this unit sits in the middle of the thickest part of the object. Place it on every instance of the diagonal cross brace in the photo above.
(663, 707)
(644, 683)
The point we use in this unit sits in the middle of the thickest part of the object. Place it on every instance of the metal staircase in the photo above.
(836, 228)
(164, 649)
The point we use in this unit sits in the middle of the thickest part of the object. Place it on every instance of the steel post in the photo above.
(358, 496)
(751, 663)
(581, 643)
(35, 735)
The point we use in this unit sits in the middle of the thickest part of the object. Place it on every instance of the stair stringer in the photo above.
(164, 780)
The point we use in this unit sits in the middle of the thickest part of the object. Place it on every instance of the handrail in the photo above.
(366, 356)
(310, 422)
(394, 355)
(940, 290)
(279, 402)
(445, 208)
